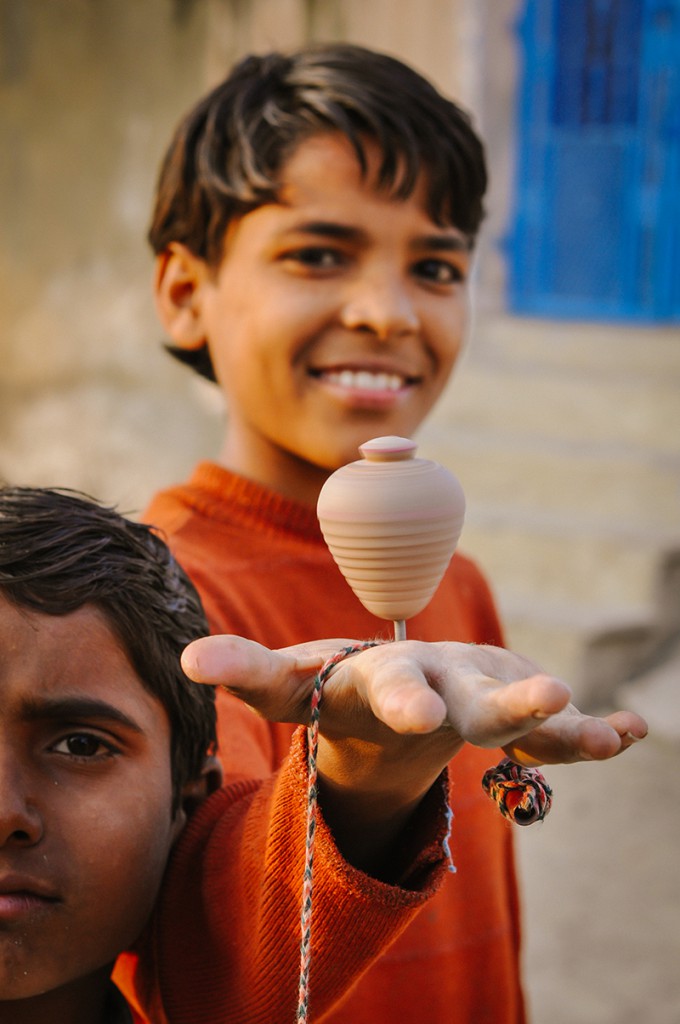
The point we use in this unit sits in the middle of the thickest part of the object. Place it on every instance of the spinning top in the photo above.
(391, 522)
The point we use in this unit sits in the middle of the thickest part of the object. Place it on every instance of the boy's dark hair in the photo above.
(226, 155)
(60, 550)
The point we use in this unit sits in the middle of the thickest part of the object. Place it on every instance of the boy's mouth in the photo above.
(364, 380)
(20, 896)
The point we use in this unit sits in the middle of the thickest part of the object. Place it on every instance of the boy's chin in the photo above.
(350, 451)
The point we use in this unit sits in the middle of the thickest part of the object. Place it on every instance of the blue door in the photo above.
(596, 226)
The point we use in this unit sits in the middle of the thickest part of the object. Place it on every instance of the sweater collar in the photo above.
(228, 496)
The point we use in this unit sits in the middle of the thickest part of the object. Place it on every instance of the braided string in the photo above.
(522, 794)
(312, 811)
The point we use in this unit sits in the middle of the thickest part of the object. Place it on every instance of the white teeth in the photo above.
(365, 380)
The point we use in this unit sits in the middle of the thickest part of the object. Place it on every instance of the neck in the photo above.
(274, 468)
(79, 1002)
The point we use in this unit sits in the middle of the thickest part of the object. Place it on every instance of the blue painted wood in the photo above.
(596, 225)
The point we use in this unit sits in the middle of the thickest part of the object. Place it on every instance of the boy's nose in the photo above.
(20, 820)
(383, 308)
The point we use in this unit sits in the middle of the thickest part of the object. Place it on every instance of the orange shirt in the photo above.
(223, 943)
(263, 571)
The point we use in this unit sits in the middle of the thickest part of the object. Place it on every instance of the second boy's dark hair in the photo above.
(60, 550)
(227, 153)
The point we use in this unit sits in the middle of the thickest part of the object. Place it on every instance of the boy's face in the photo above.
(336, 315)
(85, 801)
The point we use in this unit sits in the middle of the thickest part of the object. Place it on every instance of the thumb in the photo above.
(227, 661)
(278, 684)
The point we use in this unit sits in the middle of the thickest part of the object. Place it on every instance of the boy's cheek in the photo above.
(71, 939)
(107, 864)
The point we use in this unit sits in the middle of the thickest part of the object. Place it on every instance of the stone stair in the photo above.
(566, 438)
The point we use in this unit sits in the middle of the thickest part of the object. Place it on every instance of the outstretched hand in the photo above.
(394, 715)
(478, 694)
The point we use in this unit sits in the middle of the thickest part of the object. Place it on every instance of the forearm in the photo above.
(370, 797)
(232, 928)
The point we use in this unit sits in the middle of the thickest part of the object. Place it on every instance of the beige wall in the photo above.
(88, 96)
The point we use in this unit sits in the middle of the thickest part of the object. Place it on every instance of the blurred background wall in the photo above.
(565, 431)
(563, 420)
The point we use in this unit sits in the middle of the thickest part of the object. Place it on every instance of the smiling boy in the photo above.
(314, 225)
(337, 314)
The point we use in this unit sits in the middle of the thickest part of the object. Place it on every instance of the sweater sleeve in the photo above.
(226, 937)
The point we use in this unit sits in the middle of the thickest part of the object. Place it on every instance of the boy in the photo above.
(103, 745)
(313, 229)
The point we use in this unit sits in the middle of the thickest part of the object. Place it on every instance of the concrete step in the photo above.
(566, 438)
(599, 352)
(597, 651)
(540, 557)
(655, 693)
(593, 650)
(591, 486)
(595, 647)
(572, 406)
(568, 528)
(592, 389)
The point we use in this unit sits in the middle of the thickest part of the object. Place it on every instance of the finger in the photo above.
(500, 713)
(226, 661)
(400, 695)
(572, 736)
(602, 738)
(595, 740)
(278, 684)
(211, 659)
(630, 727)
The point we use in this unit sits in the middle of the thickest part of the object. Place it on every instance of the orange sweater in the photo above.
(223, 945)
(263, 571)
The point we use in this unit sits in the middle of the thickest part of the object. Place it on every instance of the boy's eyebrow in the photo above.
(71, 708)
(330, 229)
(445, 243)
(452, 241)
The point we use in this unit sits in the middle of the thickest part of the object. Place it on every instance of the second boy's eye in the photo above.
(439, 271)
(316, 257)
(83, 745)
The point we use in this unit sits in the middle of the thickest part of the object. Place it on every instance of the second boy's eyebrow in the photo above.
(77, 708)
(452, 242)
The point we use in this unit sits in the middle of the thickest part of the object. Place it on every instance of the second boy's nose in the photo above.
(383, 308)
(20, 821)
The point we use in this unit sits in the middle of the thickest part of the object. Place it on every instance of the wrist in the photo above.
(368, 798)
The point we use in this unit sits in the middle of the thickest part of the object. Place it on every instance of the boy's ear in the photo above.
(199, 789)
(178, 281)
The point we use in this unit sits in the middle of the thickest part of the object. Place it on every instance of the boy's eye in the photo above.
(316, 257)
(439, 271)
(83, 745)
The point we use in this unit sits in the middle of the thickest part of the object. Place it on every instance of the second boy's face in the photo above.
(85, 804)
(337, 315)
